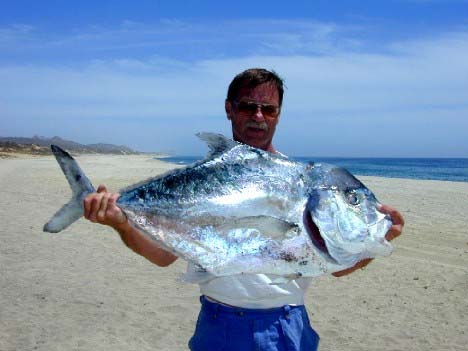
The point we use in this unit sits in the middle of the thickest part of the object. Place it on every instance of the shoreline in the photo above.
(153, 156)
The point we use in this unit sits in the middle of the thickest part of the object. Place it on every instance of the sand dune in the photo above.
(83, 289)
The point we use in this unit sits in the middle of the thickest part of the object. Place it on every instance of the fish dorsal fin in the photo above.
(217, 143)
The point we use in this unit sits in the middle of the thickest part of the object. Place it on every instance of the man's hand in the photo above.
(397, 220)
(100, 208)
(394, 231)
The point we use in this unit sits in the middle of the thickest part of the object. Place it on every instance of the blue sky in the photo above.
(364, 78)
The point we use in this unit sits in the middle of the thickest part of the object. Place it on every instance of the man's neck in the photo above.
(271, 149)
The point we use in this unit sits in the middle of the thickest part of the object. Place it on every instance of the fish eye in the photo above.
(352, 199)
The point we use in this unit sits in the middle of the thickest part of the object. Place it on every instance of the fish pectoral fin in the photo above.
(269, 226)
(285, 279)
(217, 143)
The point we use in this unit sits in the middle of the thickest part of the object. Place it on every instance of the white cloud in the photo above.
(196, 39)
(341, 102)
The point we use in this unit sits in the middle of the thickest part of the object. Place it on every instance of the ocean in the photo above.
(451, 169)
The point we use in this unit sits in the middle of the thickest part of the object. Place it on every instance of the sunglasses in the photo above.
(249, 108)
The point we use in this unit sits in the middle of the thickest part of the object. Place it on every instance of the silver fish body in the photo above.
(245, 211)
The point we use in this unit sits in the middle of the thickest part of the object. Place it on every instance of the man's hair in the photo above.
(251, 78)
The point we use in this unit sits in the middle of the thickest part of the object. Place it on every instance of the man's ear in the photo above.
(228, 109)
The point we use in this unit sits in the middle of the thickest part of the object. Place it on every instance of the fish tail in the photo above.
(80, 185)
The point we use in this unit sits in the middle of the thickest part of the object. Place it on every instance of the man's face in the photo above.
(254, 128)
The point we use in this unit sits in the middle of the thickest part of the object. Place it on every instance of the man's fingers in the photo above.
(102, 188)
(396, 216)
(87, 206)
(95, 205)
(101, 214)
(120, 216)
(392, 234)
(101, 208)
(113, 199)
(397, 220)
(386, 209)
(89, 203)
(112, 204)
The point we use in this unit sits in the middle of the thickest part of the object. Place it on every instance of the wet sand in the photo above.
(83, 289)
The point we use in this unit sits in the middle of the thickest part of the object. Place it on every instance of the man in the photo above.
(245, 312)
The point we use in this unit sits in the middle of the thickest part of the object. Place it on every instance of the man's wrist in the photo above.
(123, 227)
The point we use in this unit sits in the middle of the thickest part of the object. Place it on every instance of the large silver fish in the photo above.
(243, 210)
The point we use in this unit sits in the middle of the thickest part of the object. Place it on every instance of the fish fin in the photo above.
(68, 214)
(272, 226)
(285, 279)
(217, 143)
(80, 185)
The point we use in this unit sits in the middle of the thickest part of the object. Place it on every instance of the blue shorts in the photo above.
(220, 327)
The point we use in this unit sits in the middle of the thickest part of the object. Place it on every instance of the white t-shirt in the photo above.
(249, 290)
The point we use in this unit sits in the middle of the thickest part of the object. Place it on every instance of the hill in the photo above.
(41, 146)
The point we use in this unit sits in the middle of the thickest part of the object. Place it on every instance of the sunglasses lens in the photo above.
(269, 110)
(249, 108)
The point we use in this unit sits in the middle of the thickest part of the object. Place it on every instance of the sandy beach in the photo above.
(83, 289)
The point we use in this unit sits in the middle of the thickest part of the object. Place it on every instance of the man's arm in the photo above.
(394, 231)
(100, 207)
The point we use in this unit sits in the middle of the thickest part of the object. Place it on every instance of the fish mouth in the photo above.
(314, 234)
